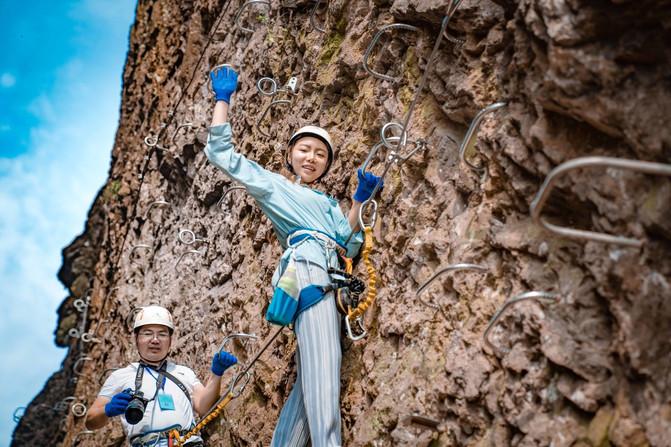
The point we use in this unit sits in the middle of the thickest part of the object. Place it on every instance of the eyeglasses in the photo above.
(149, 335)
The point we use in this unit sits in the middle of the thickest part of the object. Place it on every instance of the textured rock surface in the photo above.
(580, 77)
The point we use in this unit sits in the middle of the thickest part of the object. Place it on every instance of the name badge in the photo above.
(165, 402)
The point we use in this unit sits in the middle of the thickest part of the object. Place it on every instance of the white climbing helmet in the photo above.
(319, 133)
(314, 131)
(154, 315)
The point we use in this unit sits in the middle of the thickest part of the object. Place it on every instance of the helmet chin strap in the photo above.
(148, 362)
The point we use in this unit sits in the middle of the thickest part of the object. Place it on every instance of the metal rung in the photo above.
(370, 48)
(583, 162)
(534, 295)
(468, 143)
(245, 6)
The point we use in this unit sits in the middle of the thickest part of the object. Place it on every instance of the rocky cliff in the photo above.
(579, 78)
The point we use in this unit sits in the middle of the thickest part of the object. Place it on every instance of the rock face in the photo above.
(579, 78)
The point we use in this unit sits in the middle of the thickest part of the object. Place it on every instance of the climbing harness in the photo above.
(288, 299)
(232, 392)
(582, 162)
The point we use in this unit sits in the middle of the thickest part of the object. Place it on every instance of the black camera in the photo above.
(135, 409)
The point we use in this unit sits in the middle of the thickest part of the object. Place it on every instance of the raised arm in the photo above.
(220, 150)
(220, 115)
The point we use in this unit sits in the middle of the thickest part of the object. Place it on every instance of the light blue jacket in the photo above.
(289, 206)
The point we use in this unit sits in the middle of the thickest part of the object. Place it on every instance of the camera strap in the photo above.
(140, 373)
(162, 374)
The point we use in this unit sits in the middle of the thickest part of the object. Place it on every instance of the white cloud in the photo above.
(45, 195)
(7, 80)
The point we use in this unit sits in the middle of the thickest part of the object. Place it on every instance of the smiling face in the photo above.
(309, 157)
(153, 342)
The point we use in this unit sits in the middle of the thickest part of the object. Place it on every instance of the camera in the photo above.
(135, 409)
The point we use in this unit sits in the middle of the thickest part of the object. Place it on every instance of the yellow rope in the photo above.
(180, 441)
(372, 277)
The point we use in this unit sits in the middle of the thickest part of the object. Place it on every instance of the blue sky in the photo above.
(60, 87)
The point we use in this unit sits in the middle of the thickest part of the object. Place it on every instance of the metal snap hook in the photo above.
(239, 335)
(236, 393)
(361, 329)
(362, 210)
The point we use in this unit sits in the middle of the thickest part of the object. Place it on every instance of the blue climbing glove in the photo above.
(222, 361)
(118, 404)
(367, 182)
(224, 83)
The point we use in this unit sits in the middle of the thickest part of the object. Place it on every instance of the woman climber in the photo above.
(311, 228)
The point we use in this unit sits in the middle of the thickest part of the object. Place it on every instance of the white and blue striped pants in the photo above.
(312, 411)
